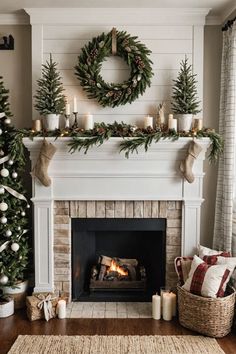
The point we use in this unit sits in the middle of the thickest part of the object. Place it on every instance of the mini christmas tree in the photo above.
(14, 248)
(184, 98)
(49, 96)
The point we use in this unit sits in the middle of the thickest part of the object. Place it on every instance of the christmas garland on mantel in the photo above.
(133, 137)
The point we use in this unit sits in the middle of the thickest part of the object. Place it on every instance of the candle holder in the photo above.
(67, 120)
(75, 125)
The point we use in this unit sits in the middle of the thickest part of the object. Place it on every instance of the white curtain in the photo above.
(224, 230)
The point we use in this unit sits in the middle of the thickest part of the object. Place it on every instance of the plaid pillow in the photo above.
(205, 251)
(207, 280)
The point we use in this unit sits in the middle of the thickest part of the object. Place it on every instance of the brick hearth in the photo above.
(65, 210)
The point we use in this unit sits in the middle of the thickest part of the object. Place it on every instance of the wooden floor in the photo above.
(12, 326)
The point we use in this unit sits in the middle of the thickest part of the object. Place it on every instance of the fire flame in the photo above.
(115, 268)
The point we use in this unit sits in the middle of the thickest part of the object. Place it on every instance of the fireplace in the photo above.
(104, 184)
(137, 246)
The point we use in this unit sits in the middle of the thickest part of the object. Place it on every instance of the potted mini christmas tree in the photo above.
(50, 101)
(184, 98)
(14, 246)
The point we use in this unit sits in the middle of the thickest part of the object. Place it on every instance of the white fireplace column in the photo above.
(104, 174)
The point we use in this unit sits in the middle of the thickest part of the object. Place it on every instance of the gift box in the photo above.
(41, 306)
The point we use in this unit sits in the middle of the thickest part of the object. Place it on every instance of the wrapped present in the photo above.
(41, 306)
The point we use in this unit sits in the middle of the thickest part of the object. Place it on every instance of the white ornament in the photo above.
(15, 247)
(8, 233)
(7, 121)
(3, 279)
(14, 174)
(19, 228)
(22, 213)
(2, 190)
(0, 131)
(3, 220)
(3, 206)
(10, 162)
(4, 172)
(27, 206)
(1, 153)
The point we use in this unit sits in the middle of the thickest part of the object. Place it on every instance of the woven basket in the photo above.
(208, 316)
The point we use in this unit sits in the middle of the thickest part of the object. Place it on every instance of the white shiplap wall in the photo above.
(169, 45)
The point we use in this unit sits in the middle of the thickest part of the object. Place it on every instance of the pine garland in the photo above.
(134, 53)
(134, 138)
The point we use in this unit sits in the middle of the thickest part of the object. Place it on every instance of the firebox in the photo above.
(117, 259)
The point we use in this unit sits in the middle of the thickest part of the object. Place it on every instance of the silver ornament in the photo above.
(8, 233)
(27, 206)
(4, 172)
(10, 162)
(0, 131)
(3, 220)
(3, 206)
(2, 190)
(14, 174)
(22, 213)
(18, 228)
(15, 247)
(3, 279)
(7, 121)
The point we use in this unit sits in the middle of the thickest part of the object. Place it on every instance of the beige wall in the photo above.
(212, 63)
(15, 67)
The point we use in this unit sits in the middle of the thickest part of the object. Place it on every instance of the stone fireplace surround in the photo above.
(65, 210)
(104, 183)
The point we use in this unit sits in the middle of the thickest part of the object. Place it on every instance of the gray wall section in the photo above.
(15, 67)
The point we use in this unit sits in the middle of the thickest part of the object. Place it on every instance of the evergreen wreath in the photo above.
(134, 53)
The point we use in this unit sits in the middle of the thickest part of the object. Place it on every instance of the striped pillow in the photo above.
(205, 251)
(207, 280)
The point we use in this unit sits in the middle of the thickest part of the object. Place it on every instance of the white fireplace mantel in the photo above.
(105, 174)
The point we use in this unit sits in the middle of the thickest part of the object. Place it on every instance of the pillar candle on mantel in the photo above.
(148, 122)
(172, 123)
(61, 309)
(67, 109)
(156, 307)
(75, 109)
(167, 308)
(88, 121)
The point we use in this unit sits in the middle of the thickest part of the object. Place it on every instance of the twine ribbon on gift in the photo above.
(46, 304)
(113, 41)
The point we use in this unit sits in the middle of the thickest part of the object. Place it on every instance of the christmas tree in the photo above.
(49, 97)
(14, 248)
(184, 98)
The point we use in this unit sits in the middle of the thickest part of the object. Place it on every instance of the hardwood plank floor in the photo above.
(12, 326)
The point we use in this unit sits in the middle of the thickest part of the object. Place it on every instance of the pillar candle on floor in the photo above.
(61, 309)
(167, 307)
(156, 307)
(173, 296)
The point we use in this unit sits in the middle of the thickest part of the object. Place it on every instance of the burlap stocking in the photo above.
(186, 165)
(40, 169)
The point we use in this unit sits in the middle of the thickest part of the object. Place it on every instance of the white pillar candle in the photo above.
(172, 123)
(75, 109)
(167, 307)
(156, 307)
(88, 121)
(61, 309)
(173, 296)
(37, 125)
(148, 122)
(67, 109)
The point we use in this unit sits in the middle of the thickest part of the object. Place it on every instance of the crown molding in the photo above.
(116, 16)
(14, 19)
(227, 12)
(214, 20)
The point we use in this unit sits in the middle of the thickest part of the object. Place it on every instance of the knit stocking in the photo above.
(40, 169)
(186, 165)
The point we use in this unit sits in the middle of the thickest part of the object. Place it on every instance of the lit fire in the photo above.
(115, 268)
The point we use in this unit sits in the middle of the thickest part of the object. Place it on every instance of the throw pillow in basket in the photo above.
(207, 280)
(205, 251)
